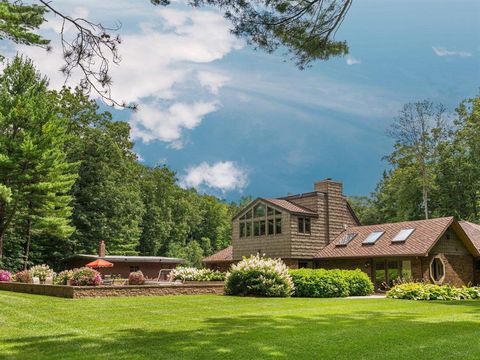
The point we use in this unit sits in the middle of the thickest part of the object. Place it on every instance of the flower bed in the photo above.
(422, 291)
(194, 274)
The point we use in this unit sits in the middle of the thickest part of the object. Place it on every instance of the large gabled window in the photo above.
(260, 220)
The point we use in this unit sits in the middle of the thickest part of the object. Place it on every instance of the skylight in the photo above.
(403, 234)
(346, 239)
(373, 237)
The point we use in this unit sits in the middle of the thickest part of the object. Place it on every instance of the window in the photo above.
(248, 229)
(301, 224)
(373, 237)
(134, 268)
(270, 211)
(278, 212)
(271, 226)
(407, 270)
(259, 210)
(346, 239)
(437, 270)
(262, 227)
(278, 225)
(477, 265)
(242, 229)
(304, 225)
(256, 228)
(307, 264)
(403, 235)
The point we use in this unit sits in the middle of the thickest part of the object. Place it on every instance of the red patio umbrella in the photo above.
(99, 263)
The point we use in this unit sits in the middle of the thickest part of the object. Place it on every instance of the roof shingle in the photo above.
(419, 243)
(222, 255)
(473, 232)
(290, 207)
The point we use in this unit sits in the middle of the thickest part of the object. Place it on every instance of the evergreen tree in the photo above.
(34, 171)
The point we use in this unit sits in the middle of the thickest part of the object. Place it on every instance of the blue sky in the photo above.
(233, 121)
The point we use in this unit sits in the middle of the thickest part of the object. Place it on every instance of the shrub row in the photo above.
(256, 276)
(194, 274)
(423, 291)
(330, 283)
(77, 277)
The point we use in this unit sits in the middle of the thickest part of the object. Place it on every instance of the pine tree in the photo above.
(34, 170)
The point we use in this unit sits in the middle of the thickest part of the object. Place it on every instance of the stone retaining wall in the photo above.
(76, 292)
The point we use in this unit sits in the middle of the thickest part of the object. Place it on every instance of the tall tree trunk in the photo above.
(28, 242)
(1, 246)
(425, 201)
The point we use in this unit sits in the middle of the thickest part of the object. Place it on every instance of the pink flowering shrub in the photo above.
(24, 276)
(5, 276)
(136, 278)
(86, 277)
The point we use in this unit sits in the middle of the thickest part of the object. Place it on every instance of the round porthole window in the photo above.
(437, 270)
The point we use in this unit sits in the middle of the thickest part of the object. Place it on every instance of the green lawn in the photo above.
(220, 327)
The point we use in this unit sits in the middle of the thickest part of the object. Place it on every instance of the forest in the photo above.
(69, 178)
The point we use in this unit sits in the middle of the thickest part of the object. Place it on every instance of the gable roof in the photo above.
(290, 206)
(473, 232)
(222, 255)
(419, 243)
(280, 204)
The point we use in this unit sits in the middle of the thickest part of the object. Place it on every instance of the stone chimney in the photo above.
(101, 249)
(335, 208)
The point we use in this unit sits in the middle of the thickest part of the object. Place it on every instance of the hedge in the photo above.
(323, 283)
(423, 291)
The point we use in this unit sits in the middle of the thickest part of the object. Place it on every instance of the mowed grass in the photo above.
(221, 327)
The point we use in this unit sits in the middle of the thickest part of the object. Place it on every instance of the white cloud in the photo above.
(441, 51)
(224, 176)
(166, 123)
(212, 81)
(164, 53)
(350, 60)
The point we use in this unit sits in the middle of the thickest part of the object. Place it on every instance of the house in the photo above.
(319, 229)
(124, 265)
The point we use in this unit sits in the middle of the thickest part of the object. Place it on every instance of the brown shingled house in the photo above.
(320, 230)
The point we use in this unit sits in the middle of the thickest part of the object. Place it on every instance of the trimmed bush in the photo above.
(5, 276)
(422, 291)
(359, 283)
(136, 278)
(194, 274)
(258, 276)
(86, 277)
(24, 276)
(324, 283)
(63, 277)
(319, 283)
(42, 272)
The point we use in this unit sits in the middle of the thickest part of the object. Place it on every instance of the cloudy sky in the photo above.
(233, 121)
